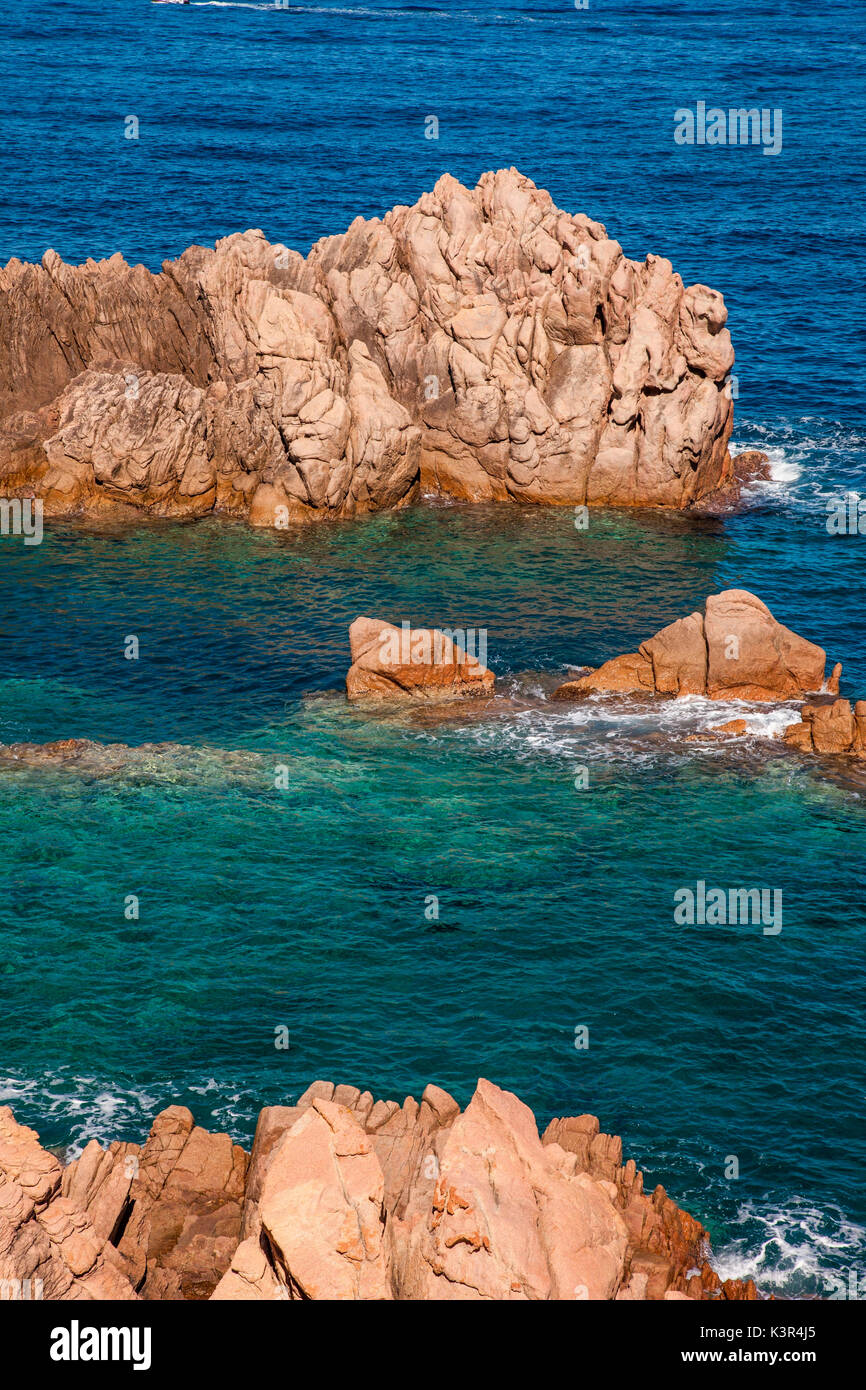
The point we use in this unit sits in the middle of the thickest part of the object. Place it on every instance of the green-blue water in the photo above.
(309, 905)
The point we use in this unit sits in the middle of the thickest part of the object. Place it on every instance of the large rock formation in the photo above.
(735, 650)
(322, 1209)
(509, 1217)
(390, 663)
(482, 344)
(345, 1197)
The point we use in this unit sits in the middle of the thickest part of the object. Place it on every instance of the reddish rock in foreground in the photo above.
(391, 663)
(735, 650)
(344, 1197)
(49, 1246)
(172, 1209)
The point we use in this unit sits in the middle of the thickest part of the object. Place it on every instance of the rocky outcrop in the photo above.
(171, 1210)
(346, 1197)
(322, 1209)
(509, 1217)
(735, 650)
(187, 1200)
(829, 729)
(391, 663)
(99, 1182)
(731, 726)
(49, 1247)
(481, 343)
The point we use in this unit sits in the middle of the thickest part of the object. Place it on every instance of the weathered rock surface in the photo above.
(835, 728)
(322, 1209)
(49, 1248)
(735, 650)
(99, 1182)
(510, 1217)
(172, 1208)
(390, 663)
(186, 1208)
(481, 343)
(346, 1197)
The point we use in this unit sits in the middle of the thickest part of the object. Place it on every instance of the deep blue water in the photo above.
(306, 906)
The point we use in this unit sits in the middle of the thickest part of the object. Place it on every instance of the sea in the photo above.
(294, 888)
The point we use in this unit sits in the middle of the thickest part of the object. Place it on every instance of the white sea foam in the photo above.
(782, 468)
(89, 1107)
(763, 722)
(786, 470)
(84, 1105)
(794, 1249)
(14, 1089)
(811, 460)
(619, 729)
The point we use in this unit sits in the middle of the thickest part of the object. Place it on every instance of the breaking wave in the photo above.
(813, 461)
(798, 1250)
(620, 729)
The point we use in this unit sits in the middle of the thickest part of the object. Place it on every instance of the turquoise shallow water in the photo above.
(305, 906)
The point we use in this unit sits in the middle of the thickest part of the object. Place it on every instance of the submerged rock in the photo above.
(735, 650)
(346, 1197)
(80, 752)
(391, 663)
(481, 344)
(175, 762)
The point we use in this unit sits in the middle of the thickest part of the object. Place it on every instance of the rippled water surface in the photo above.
(309, 905)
